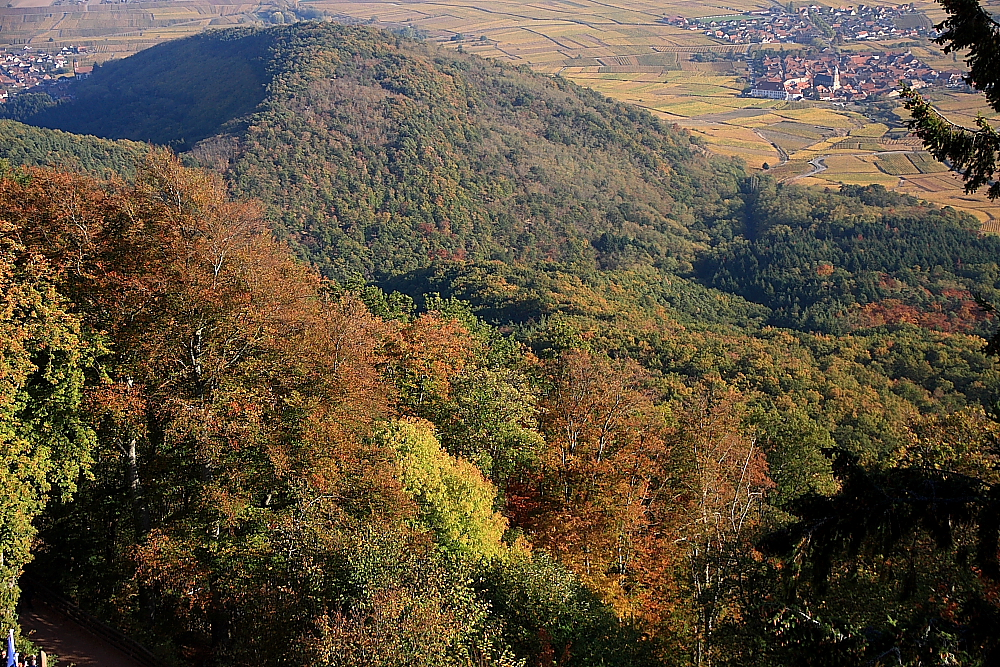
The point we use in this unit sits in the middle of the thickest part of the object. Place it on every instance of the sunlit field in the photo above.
(114, 30)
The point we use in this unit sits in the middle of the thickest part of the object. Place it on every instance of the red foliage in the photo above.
(958, 314)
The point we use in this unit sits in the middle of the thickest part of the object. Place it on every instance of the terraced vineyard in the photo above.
(927, 164)
(897, 164)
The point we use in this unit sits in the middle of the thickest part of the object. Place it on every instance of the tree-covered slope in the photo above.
(26, 145)
(576, 342)
(382, 157)
(257, 466)
(377, 154)
(581, 221)
(864, 257)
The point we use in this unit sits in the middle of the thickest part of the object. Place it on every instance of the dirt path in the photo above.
(59, 635)
(782, 155)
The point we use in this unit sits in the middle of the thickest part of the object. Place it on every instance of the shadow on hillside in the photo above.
(173, 94)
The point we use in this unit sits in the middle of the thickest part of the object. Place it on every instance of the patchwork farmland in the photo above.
(113, 30)
(623, 50)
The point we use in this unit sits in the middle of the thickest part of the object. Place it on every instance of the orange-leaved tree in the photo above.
(601, 499)
(234, 404)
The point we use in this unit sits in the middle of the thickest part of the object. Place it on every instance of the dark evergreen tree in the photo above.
(970, 152)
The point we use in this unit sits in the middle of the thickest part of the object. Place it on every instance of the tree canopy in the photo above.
(425, 360)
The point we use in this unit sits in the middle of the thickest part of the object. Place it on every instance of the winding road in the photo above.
(818, 166)
(67, 641)
(782, 154)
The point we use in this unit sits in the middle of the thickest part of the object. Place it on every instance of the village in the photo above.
(849, 77)
(27, 69)
(807, 24)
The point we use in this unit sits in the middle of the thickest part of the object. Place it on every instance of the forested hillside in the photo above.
(25, 145)
(178, 94)
(558, 388)
(377, 156)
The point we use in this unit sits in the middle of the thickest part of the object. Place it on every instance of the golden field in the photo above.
(114, 30)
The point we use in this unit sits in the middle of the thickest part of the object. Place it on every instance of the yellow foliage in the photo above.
(456, 501)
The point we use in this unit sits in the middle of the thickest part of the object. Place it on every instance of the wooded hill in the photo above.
(569, 391)
(377, 156)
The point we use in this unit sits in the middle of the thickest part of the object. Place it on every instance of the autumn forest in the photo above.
(324, 346)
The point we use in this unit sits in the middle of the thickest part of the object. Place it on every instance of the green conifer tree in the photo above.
(970, 152)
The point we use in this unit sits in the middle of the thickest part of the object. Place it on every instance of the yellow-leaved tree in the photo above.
(44, 441)
(457, 504)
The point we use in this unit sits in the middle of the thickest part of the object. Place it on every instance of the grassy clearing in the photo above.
(800, 130)
(849, 164)
(790, 170)
(861, 178)
(788, 142)
(825, 117)
(688, 109)
(874, 130)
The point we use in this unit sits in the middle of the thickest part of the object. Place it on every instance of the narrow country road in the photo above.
(782, 154)
(818, 166)
(60, 636)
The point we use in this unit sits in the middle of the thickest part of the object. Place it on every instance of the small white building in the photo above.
(774, 90)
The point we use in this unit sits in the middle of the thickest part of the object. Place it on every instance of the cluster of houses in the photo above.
(847, 77)
(778, 26)
(27, 69)
(874, 22)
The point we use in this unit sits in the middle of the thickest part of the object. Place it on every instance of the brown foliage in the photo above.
(601, 499)
(957, 312)
(429, 353)
(235, 395)
(654, 510)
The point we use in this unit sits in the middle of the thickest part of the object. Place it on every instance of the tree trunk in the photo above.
(140, 512)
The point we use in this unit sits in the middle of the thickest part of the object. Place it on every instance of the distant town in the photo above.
(848, 77)
(807, 24)
(34, 70)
